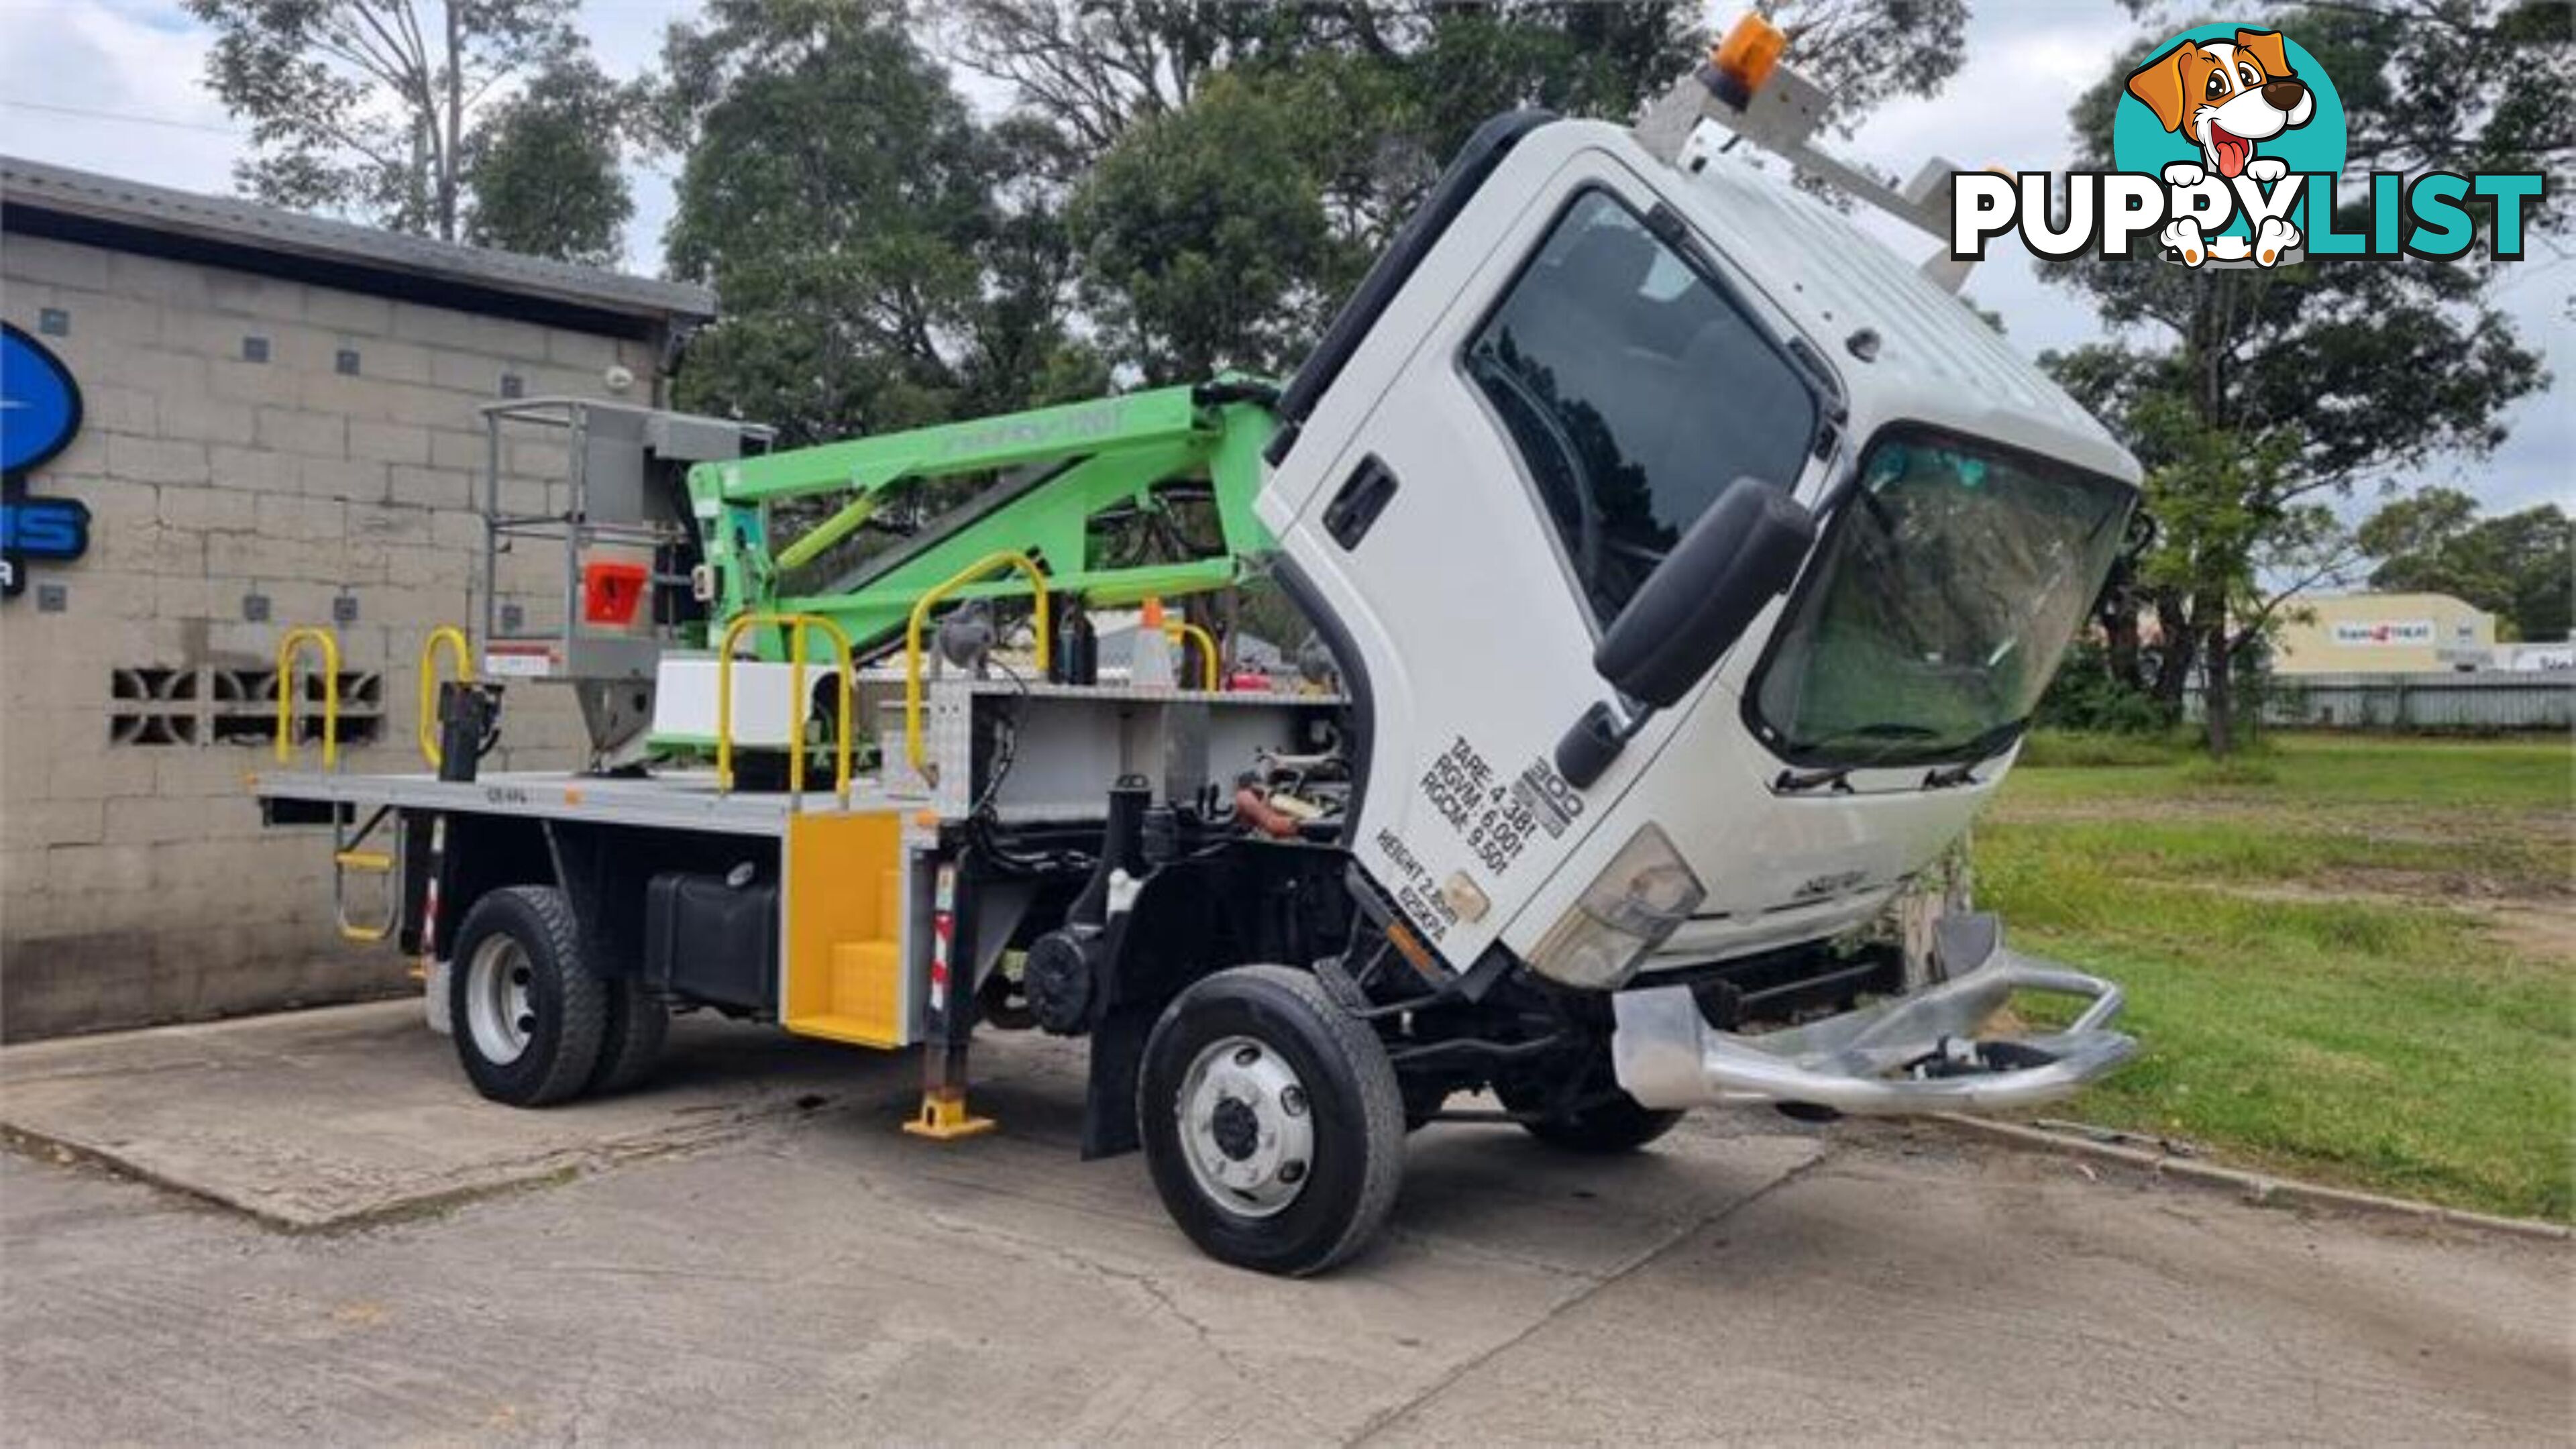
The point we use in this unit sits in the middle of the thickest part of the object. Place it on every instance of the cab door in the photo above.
(1525, 427)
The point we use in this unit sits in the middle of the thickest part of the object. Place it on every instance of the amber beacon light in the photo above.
(1740, 64)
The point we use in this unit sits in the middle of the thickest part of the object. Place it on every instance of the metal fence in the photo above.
(2483, 700)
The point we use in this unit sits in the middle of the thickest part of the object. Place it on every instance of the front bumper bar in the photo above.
(1916, 1053)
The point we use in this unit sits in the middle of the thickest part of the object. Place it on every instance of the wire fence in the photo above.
(2483, 700)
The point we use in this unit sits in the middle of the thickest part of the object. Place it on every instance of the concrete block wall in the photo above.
(136, 883)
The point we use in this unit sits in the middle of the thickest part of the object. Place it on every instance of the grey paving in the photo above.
(325, 1118)
(806, 1273)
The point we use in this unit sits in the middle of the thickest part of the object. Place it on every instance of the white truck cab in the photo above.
(1599, 344)
(1596, 346)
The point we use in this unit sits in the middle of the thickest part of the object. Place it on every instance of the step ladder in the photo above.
(352, 856)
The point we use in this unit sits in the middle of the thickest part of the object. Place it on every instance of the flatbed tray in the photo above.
(682, 799)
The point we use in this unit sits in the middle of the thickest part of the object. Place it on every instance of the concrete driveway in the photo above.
(750, 1251)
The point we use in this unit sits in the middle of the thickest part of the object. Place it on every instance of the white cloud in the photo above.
(113, 88)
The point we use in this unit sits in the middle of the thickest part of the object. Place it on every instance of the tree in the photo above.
(1091, 67)
(366, 106)
(2520, 566)
(1203, 232)
(1086, 69)
(859, 225)
(544, 168)
(2257, 398)
(1345, 114)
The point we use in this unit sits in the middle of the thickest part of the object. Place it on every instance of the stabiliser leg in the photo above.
(944, 1115)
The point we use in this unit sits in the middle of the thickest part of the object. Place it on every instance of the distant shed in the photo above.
(2383, 634)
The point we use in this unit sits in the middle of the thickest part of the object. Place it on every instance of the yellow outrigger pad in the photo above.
(944, 1116)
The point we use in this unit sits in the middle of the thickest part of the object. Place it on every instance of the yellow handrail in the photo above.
(1183, 629)
(912, 751)
(796, 625)
(287, 650)
(460, 649)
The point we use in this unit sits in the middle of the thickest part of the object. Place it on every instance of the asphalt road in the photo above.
(753, 1253)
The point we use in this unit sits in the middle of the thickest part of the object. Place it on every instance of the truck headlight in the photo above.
(1633, 906)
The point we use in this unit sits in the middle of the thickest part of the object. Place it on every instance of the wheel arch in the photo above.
(1248, 901)
(481, 854)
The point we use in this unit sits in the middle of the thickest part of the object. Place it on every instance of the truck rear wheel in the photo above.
(630, 1037)
(1272, 1121)
(528, 1014)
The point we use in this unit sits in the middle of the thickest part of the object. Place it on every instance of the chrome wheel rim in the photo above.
(500, 1010)
(1247, 1128)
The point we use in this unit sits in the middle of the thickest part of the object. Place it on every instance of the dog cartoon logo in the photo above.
(2225, 96)
(2227, 151)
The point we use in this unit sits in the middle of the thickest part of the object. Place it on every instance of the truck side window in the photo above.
(1634, 391)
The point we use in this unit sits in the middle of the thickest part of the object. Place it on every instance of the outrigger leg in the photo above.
(944, 1114)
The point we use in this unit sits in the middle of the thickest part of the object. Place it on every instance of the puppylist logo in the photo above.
(2229, 144)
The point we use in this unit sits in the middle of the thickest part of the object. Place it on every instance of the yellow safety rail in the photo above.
(287, 650)
(795, 625)
(912, 750)
(1181, 629)
(460, 649)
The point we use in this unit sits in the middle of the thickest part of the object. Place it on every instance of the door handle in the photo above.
(1358, 502)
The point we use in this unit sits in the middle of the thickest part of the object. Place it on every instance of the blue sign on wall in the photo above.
(40, 410)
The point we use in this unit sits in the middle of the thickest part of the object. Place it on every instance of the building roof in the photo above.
(38, 199)
(2415, 599)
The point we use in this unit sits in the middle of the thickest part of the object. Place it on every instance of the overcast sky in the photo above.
(114, 86)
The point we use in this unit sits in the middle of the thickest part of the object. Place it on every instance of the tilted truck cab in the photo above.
(1682, 567)
(1613, 341)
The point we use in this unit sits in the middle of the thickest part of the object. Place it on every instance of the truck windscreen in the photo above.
(1935, 613)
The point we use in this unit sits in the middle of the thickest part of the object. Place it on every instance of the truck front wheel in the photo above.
(1272, 1121)
(528, 1014)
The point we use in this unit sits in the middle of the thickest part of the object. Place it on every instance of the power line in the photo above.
(90, 115)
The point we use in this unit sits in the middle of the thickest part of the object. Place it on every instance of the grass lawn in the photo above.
(2348, 958)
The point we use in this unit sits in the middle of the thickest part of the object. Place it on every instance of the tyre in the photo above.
(1606, 1125)
(1272, 1121)
(528, 1014)
(631, 1038)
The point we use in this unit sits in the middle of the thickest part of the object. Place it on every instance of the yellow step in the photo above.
(867, 987)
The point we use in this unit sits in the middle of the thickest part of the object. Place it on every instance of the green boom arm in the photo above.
(1062, 466)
